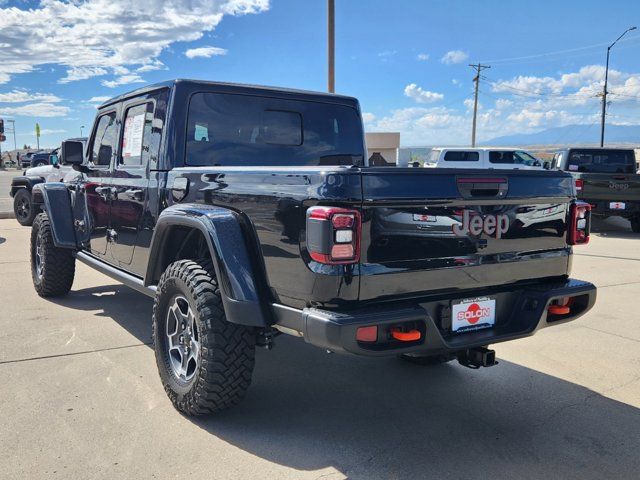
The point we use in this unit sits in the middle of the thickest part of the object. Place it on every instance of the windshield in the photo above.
(602, 161)
(228, 129)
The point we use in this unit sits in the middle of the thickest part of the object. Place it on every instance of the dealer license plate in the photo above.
(617, 206)
(473, 314)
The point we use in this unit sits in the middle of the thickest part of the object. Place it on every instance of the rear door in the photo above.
(428, 230)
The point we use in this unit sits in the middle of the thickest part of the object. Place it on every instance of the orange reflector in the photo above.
(410, 336)
(559, 309)
(367, 334)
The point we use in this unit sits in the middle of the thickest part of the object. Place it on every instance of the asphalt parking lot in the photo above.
(81, 397)
(6, 202)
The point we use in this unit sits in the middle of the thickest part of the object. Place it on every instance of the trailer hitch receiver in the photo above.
(477, 357)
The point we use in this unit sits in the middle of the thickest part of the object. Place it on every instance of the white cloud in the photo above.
(205, 52)
(96, 37)
(23, 96)
(454, 56)
(368, 117)
(99, 99)
(503, 103)
(123, 80)
(36, 110)
(387, 54)
(455, 81)
(423, 57)
(150, 67)
(82, 73)
(421, 96)
(568, 98)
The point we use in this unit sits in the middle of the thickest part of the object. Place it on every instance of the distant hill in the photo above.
(572, 134)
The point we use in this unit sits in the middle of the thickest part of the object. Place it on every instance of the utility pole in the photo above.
(331, 34)
(478, 68)
(606, 79)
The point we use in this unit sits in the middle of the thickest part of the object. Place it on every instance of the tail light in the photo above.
(579, 223)
(333, 235)
(579, 185)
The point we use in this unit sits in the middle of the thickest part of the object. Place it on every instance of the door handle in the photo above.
(103, 192)
(135, 194)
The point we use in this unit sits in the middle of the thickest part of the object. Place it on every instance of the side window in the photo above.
(136, 136)
(104, 140)
(501, 157)
(461, 156)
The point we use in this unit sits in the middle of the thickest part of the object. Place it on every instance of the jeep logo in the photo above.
(492, 225)
(618, 186)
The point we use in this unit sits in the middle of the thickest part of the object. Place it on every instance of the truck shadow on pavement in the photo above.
(614, 227)
(384, 418)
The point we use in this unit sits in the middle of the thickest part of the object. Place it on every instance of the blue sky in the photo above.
(407, 61)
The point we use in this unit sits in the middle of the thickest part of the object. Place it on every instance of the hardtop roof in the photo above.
(239, 87)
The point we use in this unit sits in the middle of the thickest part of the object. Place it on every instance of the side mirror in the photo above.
(53, 160)
(546, 166)
(72, 153)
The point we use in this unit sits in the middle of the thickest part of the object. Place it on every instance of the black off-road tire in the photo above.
(52, 268)
(23, 207)
(635, 224)
(226, 352)
(427, 360)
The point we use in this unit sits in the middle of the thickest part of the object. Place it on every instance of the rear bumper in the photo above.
(602, 207)
(519, 313)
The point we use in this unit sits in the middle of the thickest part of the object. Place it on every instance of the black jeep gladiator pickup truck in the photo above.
(247, 212)
(606, 179)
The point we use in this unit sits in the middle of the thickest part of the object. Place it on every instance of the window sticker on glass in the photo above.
(201, 133)
(132, 139)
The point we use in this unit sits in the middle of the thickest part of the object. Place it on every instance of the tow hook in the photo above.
(477, 357)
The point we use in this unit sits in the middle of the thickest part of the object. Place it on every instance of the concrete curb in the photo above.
(5, 215)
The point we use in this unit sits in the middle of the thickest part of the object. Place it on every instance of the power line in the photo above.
(558, 52)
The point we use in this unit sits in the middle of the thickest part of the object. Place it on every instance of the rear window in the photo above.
(461, 156)
(227, 129)
(602, 161)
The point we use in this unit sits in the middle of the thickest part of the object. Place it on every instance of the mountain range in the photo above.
(571, 135)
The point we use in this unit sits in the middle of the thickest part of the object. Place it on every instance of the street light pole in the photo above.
(81, 127)
(606, 79)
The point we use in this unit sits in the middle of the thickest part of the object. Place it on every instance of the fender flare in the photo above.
(26, 181)
(236, 274)
(56, 200)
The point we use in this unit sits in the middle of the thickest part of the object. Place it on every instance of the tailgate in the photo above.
(435, 230)
(607, 186)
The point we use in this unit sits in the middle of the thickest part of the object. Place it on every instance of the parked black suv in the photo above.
(247, 212)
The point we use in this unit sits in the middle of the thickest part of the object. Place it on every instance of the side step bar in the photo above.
(129, 280)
